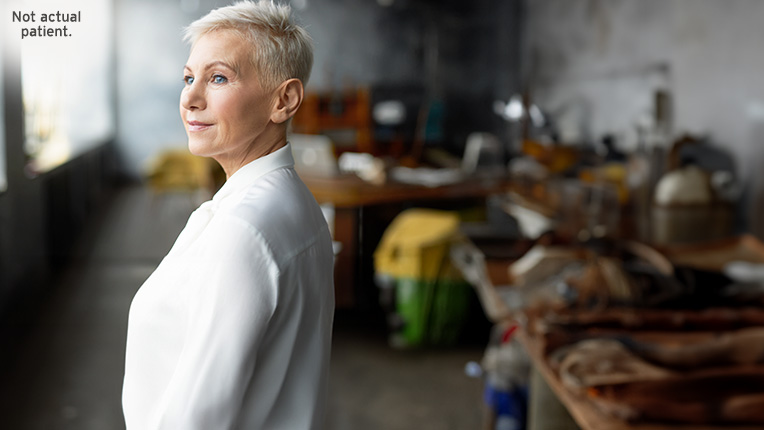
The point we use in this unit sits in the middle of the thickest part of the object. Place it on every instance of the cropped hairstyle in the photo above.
(281, 49)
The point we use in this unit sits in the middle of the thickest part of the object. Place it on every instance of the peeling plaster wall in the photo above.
(596, 63)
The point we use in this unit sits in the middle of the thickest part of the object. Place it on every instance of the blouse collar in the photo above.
(247, 174)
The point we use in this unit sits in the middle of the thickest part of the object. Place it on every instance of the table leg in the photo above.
(346, 232)
(545, 411)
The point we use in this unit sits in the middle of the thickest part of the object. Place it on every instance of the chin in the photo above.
(198, 148)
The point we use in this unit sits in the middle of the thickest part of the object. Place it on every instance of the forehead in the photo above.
(220, 45)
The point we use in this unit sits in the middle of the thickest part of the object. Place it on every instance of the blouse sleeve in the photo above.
(231, 297)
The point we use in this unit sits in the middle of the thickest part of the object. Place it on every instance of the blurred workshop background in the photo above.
(547, 214)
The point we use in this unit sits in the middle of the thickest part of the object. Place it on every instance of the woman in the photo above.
(233, 329)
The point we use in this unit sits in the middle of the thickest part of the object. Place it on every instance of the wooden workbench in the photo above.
(356, 201)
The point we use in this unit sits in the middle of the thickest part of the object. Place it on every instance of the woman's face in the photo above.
(223, 106)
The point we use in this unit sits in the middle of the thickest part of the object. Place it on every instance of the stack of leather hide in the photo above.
(697, 378)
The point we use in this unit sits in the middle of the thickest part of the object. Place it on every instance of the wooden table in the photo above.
(356, 202)
(350, 191)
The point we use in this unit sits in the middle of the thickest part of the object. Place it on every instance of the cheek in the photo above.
(222, 107)
(256, 110)
(238, 115)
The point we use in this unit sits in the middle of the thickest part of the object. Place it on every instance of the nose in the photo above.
(192, 97)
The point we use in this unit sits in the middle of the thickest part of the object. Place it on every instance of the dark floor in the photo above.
(66, 371)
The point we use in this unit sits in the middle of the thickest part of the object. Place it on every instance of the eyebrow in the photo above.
(216, 63)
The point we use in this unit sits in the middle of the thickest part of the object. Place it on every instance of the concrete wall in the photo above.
(357, 42)
(596, 63)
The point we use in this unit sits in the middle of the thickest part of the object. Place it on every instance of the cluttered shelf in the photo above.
(633, 337)
(585, 413)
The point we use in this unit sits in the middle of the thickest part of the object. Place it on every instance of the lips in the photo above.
(198, 126)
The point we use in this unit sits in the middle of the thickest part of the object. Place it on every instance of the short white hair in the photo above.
(281, 49)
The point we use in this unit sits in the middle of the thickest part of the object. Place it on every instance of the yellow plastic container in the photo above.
(416, 244)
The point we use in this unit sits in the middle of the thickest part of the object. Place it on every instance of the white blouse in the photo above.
(233, 329)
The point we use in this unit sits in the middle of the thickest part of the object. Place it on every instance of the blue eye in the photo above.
(188, 79)
(219, 79)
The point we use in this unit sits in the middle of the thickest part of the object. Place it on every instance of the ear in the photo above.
(288, 98)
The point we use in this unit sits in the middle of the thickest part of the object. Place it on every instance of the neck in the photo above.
(231, 163)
